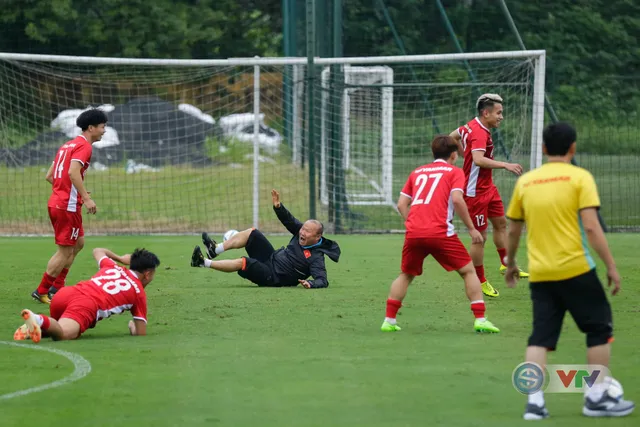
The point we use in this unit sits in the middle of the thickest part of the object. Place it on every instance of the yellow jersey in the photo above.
(549, 200)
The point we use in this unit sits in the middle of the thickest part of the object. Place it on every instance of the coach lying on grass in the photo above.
(288, 266)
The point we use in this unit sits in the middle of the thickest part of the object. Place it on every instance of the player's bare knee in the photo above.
(66, 251)
(79, 245)
(70, 329)
(407, 277)
(498, 223)
(467, 269)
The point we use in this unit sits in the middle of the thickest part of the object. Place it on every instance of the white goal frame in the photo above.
(537, 58)
(373, 75)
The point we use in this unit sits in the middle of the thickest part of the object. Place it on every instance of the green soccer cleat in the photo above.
(388, 327)
(484, 326)
(489, 290)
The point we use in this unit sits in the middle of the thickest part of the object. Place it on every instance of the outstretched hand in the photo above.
(512, 275)
(305, 283)
(275, 197)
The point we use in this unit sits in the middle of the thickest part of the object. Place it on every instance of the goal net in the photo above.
(197, 145)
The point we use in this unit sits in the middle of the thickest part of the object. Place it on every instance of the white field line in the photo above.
(82, 367)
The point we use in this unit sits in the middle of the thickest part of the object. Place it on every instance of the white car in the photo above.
(240, 127)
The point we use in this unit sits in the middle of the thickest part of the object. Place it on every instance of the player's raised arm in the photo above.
(290, 222)
(99, 253)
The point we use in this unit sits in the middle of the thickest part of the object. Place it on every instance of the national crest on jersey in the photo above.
(430, 188)
(476, 137)
(64, 194)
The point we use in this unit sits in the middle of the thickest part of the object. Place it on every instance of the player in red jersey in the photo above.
(66, 176)
(480, 193)
(427, 202)
(112, 290)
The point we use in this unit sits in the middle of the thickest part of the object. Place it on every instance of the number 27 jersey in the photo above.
(115, 290)
(430, 188)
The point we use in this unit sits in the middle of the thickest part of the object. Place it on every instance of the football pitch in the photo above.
(223, 352)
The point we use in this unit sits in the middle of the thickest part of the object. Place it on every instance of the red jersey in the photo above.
(430, 188)
(65, 195)
(115, 289)
(476, 137)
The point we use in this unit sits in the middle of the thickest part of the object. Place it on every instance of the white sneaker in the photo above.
(607, 406)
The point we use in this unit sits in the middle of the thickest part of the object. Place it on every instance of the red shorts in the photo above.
(67, 226)
(448, 251)
(68, 303)
(484, 206)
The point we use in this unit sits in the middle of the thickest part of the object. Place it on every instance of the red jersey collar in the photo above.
(483, 126)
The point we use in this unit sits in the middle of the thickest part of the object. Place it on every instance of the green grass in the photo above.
(218, 198)
(221, 351)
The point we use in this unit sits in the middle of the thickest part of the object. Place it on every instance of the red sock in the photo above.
(45, 283)
(46, 322)
(393, 305)
(478, 309)
(60, 280)
(480, 273)
(503, 254)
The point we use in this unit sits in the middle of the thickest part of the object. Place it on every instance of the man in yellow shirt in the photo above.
(559, 203)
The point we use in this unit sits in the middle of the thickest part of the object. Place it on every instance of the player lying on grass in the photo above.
(288, 266)
(112, 290)
(427, 202)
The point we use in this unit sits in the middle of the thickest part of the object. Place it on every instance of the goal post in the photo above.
(197, 145)
(377, 188)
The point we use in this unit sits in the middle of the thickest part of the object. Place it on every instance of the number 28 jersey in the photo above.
(115, 290)
(430, 188)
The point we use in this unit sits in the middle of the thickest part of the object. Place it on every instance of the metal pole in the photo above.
(547, 103)
(311, 79)
(400, 44)
(514, 29)
(452, 33)
(256, 142)
(338, 187)
(287, 23)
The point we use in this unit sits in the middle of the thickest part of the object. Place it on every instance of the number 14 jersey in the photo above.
(430, 188)
(115, 290)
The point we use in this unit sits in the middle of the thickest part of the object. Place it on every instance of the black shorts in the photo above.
(257, 266)
(584, 297)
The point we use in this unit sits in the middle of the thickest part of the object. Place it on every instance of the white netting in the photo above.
(179, 156)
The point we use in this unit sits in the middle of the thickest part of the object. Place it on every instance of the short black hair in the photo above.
(558, 137)
(92, 117)
(487, 100)
(442, 146)
(143, 260)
